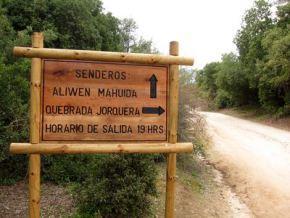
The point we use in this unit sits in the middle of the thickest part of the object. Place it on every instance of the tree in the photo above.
(248, 40)
(14, 87)
(274, 86)
(66, 24)
(260, 74)
(128, 32)
(231, 82)
(131, 42)
(143, 46)
(206, 79)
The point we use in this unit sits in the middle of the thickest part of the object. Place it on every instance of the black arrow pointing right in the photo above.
(153, 110)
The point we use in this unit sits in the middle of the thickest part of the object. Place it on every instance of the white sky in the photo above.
(204, 28)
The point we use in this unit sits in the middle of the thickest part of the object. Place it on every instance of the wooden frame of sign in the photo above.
(97, 102)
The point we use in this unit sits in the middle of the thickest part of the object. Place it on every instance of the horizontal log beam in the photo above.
(82, 148)
(50, 53)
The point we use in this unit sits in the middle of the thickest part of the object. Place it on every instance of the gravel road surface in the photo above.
(254, 160)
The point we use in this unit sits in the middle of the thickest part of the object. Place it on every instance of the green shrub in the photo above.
(67, 168)
(13, 169)
(13, 118)
(118, 186)
(223, 99)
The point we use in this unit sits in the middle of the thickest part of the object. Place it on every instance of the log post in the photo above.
(34, 159)
(172, 132)
(121, 57)
(100, 148)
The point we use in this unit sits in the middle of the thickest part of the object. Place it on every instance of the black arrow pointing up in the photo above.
(153, 110)
(153, 86)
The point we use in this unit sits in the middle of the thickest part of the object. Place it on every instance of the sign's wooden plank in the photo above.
(98, 101)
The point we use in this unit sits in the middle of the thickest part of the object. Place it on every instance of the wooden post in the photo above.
(172, 130)
(34, 159)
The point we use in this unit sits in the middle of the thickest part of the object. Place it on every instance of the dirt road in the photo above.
(255, 161)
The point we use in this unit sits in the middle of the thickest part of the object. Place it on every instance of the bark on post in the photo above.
(52, 53)
(100, 148)
(34, 159)
(173, 126)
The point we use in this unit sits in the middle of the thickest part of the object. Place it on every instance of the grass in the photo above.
(259, 115)
(188, 175)
(246, 112)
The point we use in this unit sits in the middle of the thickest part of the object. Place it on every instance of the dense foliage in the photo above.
(260, 74)
(69, 24)
(79, 24)
(118, 186)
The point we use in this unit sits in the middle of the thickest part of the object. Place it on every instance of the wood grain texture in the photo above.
(172, 129)
(35, 90)
(34, 159)
(50, 53)
(34, 185)
(95, 101)
(81, 148)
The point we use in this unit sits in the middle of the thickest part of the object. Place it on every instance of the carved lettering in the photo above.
(114, 93)
(71, 91)
(68, 110)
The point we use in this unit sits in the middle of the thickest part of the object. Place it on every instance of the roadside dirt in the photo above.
(201, 192)
(55, 202)
(254, 160)
(259, 117)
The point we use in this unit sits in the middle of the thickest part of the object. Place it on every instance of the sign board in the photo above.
(83, 100)
(100, 101)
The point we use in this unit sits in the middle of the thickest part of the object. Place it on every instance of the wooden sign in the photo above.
(82, 100)
(96, 101)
